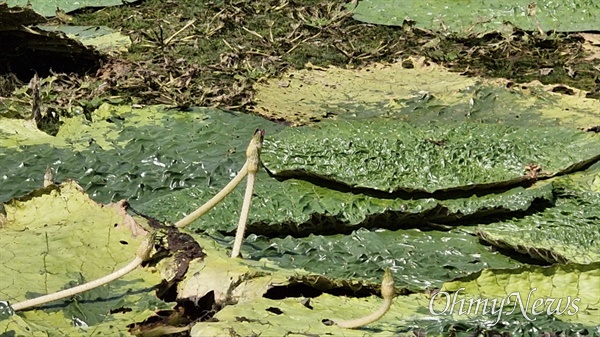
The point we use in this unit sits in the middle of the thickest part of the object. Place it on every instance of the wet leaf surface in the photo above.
(390, 156)
(472, 180)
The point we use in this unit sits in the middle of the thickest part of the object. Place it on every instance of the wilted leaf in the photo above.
(13, 18)
(416, 91)
(304, 312)
(25, 48)
(56, 238)
(569, 292)
(103, 39)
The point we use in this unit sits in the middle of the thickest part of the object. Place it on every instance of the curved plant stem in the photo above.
(387, 292)
(252, 158)
(142, 254)
(214, 200)
(252, 163)
(239, 234)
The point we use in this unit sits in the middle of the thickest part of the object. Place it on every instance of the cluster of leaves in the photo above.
(133, 158)
(438, 203)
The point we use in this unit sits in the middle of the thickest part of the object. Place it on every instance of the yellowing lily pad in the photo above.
(314, 94)
(569, 292)
(414, 90)
(57, 237)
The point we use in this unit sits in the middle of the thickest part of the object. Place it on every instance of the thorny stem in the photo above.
(142, 254)
(387, 292)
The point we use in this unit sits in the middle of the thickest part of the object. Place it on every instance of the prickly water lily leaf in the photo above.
(475, 16)
(127, 153)
(264, 299)
(394, 157)
(259, 288)
(299, 315)
(49, 8)
(567, 232)
(78, 133)
(299, 208)
(409, 315)
(417, 91)
(57, 237)
(229, 279)
(582, 181)
(568, 292)
(103, 39)
(421, 259)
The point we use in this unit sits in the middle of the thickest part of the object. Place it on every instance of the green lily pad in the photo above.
(393, 156)
(568, 292)
(127, 153)
(298, 208)
(582, 181)
(472, 16)
(296, 310)
(421, 259)
(48, 8)
(568, 232)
